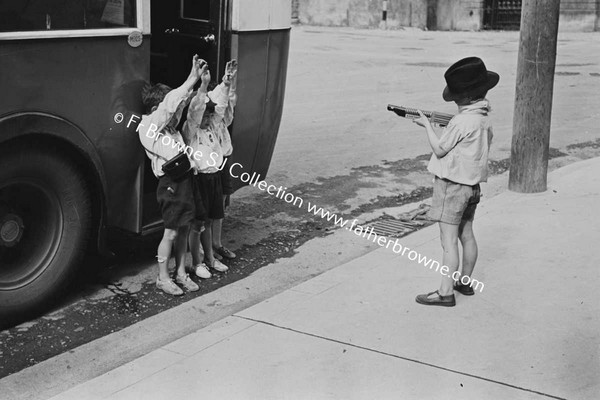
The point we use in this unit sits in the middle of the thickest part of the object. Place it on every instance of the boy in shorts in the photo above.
(159, 137)
(198, 129)
(459, 163)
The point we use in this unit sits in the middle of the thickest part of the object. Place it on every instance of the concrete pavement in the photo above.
(355, 332)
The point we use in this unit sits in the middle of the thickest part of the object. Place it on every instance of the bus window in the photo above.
(47, 15)
(193, 9)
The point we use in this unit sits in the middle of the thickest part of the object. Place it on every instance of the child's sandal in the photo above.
(225, 252)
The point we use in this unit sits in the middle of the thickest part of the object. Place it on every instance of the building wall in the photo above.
(579, 15)
(295, 4)
(322, 12)
(363, 13)
(462, 15)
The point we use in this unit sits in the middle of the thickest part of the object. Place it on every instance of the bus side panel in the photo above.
(262, 58)
(86, 81)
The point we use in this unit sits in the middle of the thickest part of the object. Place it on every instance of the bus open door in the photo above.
(179, 30)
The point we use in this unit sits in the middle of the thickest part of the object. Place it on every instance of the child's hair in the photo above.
(152, 95)
(472, 98)
(477, 96)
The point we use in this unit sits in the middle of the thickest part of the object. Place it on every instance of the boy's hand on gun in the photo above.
(422, 120)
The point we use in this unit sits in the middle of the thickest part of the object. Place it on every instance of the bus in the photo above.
(71, 71)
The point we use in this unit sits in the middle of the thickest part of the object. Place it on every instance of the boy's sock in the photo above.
(466, 290)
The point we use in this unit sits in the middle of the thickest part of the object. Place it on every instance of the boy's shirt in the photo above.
(203, 141)
(467, 139)
(223, 116)
(169, 110)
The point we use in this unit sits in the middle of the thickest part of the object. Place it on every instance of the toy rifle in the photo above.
(435, 117)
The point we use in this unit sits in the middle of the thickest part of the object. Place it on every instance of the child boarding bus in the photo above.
(71, 73)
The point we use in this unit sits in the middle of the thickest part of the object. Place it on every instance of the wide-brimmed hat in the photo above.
(468, 77)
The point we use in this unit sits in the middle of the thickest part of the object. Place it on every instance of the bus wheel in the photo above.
(45, 217)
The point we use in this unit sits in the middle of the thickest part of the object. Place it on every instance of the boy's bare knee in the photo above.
(170, 234)
(449, 238)
(197, 226)
(448, 231)
(449, 241)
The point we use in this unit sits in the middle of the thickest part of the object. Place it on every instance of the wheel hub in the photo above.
(11, 230)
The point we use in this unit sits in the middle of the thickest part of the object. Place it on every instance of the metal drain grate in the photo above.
(392, 227)
(409, 222)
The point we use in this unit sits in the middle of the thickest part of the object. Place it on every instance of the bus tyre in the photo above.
(45, 218)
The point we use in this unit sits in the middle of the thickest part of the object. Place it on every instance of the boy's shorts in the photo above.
(176, 201)
(209, 190)
(226, 181)
(453, 202)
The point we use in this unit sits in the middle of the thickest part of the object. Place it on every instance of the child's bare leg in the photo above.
(194, 242)
(449, 239)
(217, 226)
(181, 248)
(469, 245)
(164, 253)
(217, 230)
(206, 239)
(209, 256)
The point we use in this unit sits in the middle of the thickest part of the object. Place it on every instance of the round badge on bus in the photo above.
(135, 39)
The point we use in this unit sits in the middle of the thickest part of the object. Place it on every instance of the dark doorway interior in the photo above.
(180, 29)
(502, 14)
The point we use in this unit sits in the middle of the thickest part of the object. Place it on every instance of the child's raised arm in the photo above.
(198, 105)
(227, 97)
(171, 106)
(220, 95)
(233, 65)
(228, 118)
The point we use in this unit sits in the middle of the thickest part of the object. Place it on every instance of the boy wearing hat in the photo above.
(459, 163)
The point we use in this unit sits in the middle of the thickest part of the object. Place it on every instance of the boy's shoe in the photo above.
(466, 290)
(169, 287)
(438, 300)
(201, 271)
(187, 283)
(224, 252)
(218, 266)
